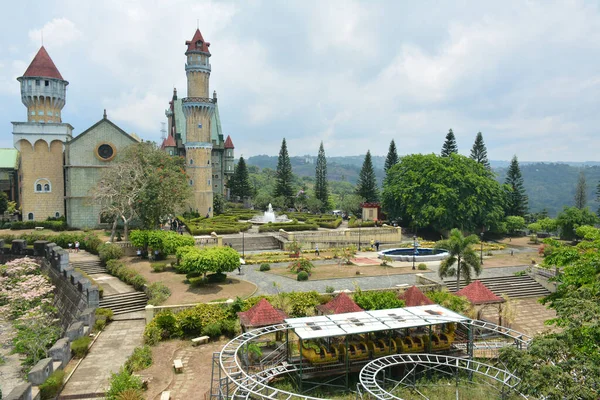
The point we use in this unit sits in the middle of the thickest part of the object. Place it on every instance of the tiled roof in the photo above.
(168, 142)
(9, 159)
(261, 314)
(228, 143)
(477, 293)
(414, 297)
(341, 304)
(192, 43)
(43, 66)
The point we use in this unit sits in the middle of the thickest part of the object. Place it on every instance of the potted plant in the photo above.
(294, 249)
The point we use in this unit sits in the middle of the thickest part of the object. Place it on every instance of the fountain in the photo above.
(269, 216)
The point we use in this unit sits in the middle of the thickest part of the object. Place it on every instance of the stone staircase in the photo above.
(514, 287)
(123, 303)
(253, 243)
(90, 267)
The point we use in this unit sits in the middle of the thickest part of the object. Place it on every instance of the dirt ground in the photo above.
(331, 271)
(506, 260)
(195, 379)
(184, 293)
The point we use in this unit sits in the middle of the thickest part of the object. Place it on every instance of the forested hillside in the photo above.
(549, 185)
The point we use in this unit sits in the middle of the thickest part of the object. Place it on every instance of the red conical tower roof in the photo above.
(478, 293)
(414, 297)
(197, 43)
(229, 143)
(42, 66)
(261, 314)
(341, 304)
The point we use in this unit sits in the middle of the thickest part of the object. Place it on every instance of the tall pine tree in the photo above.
(321, 184)
(241, 186)
(516, 202)
(479, 152)
(580, 192)
(367, 183)
(392, 157)
(449, 146)
(283, 176)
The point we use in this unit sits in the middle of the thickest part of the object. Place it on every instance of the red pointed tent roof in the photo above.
(414, 297)
(43, 66)
(229, 143)
(477, 293)
(203, 46)
(261, 314)
(168, 142)
(341, 304)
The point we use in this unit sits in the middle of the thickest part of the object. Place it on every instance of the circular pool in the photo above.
(409, 254)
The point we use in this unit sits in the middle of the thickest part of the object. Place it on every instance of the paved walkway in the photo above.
(110, 351)
(271, 283)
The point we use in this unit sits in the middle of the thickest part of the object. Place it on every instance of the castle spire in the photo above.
(42, 66)
(197, 44)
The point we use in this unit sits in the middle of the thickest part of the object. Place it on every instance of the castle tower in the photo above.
(198, 109)
(41, 140)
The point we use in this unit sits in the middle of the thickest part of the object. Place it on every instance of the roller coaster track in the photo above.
(368, 375)
(256, 385)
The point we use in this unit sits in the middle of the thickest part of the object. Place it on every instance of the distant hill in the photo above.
(548, 185)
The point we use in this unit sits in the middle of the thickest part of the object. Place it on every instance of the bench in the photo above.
(165, 395)
(39, 228)
(200, 340)
(178, 365)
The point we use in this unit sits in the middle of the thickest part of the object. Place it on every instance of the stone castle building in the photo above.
(54, 172)
(194, 131)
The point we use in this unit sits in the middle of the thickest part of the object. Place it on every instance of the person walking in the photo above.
(70, 246)
(372, 243)
(317, 250)
(377, 245)
(77, 247)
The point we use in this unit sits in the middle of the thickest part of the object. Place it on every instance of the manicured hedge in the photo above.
(53, 225)
(87, 241)
(291, 227)
(221, 224)
(364, 224)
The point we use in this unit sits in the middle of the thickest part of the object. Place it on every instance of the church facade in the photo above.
(56, 172)
(194, 131)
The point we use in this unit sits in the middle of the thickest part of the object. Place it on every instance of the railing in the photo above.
(197, 100)
(544, 272)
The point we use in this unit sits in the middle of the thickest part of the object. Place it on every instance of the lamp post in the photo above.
(414, 250)
(243, 246)
(481, 251)
(359, 226)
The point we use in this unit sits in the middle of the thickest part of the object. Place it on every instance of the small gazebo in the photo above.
(481, 297)
(341, 304)
(259, 315)
(415, 297)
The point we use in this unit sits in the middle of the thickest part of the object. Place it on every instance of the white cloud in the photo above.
(56, 33)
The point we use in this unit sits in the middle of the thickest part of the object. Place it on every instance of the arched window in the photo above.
(57, 214)
(191, 182)
(191, 161)
(208, 162)
(30, 216)
(42, 185)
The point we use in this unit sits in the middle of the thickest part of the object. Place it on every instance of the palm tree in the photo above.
(462, 257)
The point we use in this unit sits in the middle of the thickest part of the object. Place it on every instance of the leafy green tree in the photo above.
(449, 146)
(283, 186)
(219, 260)
(443, 192)
(242, 187)
(321, 183)
(479, 151)
(548, 224)
(351, 203)
(517, 202)
(314, 205)
(3, 202)
(377, 300)
(166, 190)
(462, 259)
(571, 218)
(514, 223)
(367, 183)
(580, 192)
(392, 157)
(218, 203)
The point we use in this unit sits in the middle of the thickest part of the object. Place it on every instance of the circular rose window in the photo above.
(105, 152)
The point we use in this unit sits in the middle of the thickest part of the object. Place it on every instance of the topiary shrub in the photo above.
(265, 267)
(109, 251)
(158, 266)
(99, 324)
(329, 289)
(50, 388)
(302, 276)
(422, 267)
(81, 346)
(213, 330)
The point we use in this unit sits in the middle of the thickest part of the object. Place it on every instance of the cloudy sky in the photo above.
(354, 74)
